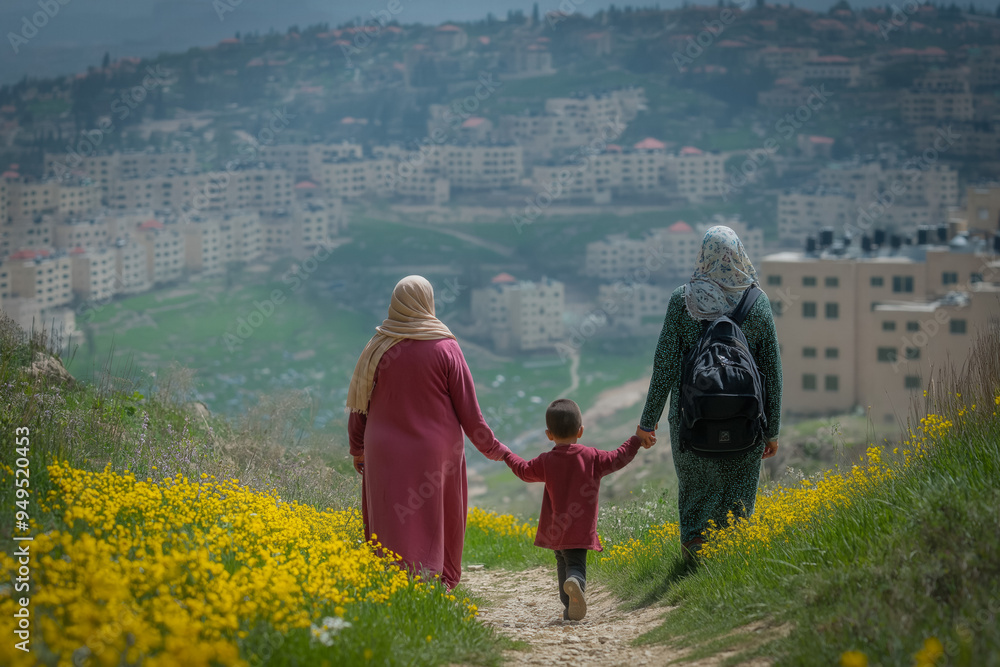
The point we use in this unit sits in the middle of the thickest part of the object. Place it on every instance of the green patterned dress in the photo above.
(710, 488)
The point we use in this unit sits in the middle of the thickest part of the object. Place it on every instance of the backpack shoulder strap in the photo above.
(750, 297)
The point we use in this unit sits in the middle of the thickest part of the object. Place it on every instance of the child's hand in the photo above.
(646, 438)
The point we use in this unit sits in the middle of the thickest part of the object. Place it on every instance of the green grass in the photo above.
(913, 560)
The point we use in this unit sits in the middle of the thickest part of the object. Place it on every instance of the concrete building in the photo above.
(33, 233)
(667, 253)
(94, 273)
(520, 315)
(259, 188)
(27, 199)
(45, 278)
(982, 208)
(783, 60)
(938, 101)
(131, 266)
(164, 251)
(637, 308)
(804, 213)
(104, 170)
(913, 183)
(698, 175)
(866, 330)
(91, 232)
(79, 199)
(302, 160)
(835, 69)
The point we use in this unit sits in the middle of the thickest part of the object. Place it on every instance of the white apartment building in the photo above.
(79, 199)
(106, 169)
(33, 233)
(164, 251)
(783, 60)
(520, 315)
(635, 308)
(838, 69)
(211, 242)
(206, 191)
(83, 233)
(303, 160)
(804, 213)
(930, 106)
(868, 330)
(915, 183)
(44, 278)
(667, 252)
(982, 207)
(352, 178)
(131, 266)
(28, 199)
(697, 175)
(94, 273)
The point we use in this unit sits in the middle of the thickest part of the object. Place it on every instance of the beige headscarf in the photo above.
(411, 315)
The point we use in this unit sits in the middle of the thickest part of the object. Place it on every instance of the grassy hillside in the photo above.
(211, 541)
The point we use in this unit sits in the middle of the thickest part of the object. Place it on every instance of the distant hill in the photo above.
(84, 30)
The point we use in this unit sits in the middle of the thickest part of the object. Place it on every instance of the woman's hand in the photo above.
(770, 449)
(647, 438)
(359, 463)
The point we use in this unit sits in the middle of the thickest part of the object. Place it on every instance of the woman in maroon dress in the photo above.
(410, 399)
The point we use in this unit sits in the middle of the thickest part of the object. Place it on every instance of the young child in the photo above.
(572, 475)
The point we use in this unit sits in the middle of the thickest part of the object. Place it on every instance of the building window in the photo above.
(809, 352)
(831, 383)
(832, 353)
(887, 354)
(809, 309)
(809, 281)
(956, 326)
(832, 311)
(913, 326)
(912, 353)
(831, 281)
(902, 283)
(809, 381)
(774, 280)
(912, 382)
(888, 325)
(949, 277)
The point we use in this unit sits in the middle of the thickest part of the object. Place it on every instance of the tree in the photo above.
(534, 14)
(107, 60)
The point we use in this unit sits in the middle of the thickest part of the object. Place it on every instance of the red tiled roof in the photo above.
(820, 140)
(448, 27)
(680, 227)
(305, 185)
(650, 144)
(691, 150)
(151, 224)
(502, 278)
(473, 121)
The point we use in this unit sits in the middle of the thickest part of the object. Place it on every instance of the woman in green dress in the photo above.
(710, 488)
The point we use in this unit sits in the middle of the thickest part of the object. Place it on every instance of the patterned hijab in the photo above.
(411, 315)
(722, 274)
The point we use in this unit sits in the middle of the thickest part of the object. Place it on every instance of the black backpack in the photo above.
(722, 390)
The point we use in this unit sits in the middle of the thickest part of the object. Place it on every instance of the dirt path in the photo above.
(525, 606)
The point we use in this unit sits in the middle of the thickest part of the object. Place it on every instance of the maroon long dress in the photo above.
(414, 496)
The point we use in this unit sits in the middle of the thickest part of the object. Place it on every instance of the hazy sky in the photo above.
(79, 33)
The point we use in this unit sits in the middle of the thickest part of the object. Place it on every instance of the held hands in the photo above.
(770, 449)
(359, 463)
(646, 438)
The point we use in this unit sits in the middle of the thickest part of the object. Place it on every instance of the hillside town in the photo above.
(855, 152)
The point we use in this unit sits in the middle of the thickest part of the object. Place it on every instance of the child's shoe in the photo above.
(577, 600)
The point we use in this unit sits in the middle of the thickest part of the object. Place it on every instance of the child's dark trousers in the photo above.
(571, 563)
